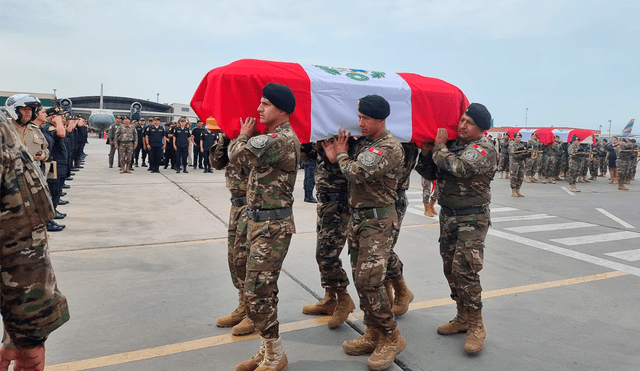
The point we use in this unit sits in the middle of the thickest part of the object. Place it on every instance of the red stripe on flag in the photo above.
(232, 92)
(434, 104)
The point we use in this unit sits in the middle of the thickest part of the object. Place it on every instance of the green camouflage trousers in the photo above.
(125, 151)
(269, 243)
(572, 170)
(394, 266)
(331, 228)
(516, 171)
(237, 249)
(370, 246)
(462, 251)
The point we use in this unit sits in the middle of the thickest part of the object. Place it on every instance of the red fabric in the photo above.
(512, 131)
(582, 134)
(231, 92)
(545, 136)
(434, 104)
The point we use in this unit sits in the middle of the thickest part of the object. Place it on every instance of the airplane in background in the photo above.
(626, 132)
(100, 119)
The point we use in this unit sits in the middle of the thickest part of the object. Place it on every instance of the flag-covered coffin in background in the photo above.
(327, 98)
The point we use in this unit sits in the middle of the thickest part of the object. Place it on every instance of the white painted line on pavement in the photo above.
(629, 255)
(502, 209)
(566, 252)
(604, 237)
(549, 227)
(521, 217)
(615, 218)
(568, 191)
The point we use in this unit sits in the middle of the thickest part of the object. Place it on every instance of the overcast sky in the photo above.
(553, 62)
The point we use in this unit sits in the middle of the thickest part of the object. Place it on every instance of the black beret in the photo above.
(280, 96)
(632, 140)
(374, 106)
(56, 111)
(480, 115)
(517, 135)
(574, 138)
(623, 140)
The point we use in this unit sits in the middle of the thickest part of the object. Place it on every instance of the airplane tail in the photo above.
(627, 129)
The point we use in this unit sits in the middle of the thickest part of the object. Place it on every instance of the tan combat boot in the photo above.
(501, 174)
(527, 179)
(514, 193)
(458, 324)
(622, 187)
(364, 344)
(518, 192)
(344, 307)
(543, 180)
(235, 317)
(586, 180)
(252, 363)
(243, 328)
(426, 210)
(403, 297)
(432, 208)
(508, 176)
(121, 169)
(388, 348)
(326, 305)
(572, 188)
(127, 168)
(274, 357)
(476, 332)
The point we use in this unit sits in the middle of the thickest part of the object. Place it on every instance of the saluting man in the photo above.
(464, 169)
(374, 178)
(273, 166)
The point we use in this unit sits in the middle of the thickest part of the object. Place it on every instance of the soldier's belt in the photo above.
(373, 213)
(333, 196)
(238, 201)
(262, 215)
(466, 211)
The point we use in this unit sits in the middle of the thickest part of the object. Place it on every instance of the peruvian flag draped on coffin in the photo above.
(327, 99)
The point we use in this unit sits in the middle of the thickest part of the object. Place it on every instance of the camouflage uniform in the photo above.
(602, 163)
(333, 219)
(126, 137)
(464, 172)
(32, 307)
(273, 161)
(236, 175)
(623, 163)
(503, 165)
(574, 164)
(547, 169)
(373, 180)
(516, 164)
(532, 164)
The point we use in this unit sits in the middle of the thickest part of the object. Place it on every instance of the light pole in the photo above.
(157, 97)
(526, 114)
(609, 128)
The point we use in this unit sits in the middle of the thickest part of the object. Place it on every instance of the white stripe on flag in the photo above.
(334, 100)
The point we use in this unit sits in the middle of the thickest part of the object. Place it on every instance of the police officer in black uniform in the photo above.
(139, 145)
(181, 144)
(197, 132)
(207, 140)
(155, 139)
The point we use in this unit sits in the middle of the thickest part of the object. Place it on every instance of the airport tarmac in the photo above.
(143, 264)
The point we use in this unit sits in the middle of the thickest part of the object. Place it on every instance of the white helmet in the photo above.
(14, 102)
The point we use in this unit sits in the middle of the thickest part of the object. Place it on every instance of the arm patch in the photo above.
(258, 144)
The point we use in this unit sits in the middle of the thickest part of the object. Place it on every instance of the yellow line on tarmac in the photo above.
(165, 350)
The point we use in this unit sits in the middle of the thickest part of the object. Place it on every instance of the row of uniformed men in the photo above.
(131, 139)
(54, 140)
(522, 161)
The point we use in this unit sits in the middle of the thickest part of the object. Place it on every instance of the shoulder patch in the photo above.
(370, 157)
(471, 154)
(258, 144)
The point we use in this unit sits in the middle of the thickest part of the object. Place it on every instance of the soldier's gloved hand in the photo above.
(25, 359)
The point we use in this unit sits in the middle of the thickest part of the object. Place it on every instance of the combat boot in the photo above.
(235, 317)
(325, 306)
(514, 193)
(527, 179)
(586, 180)
(274, 358)
(121, 169)
(458, 324)
(534, 180)
(508, 176)
(388, 348)
(252, 363)
(622, 187)
(476, 332)
(403, 297)
(243, 328)
(518, 192)
(364, 344)
(127, 168)
(501, 174)
(343, 308)
(572, 188)
(432, 208)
